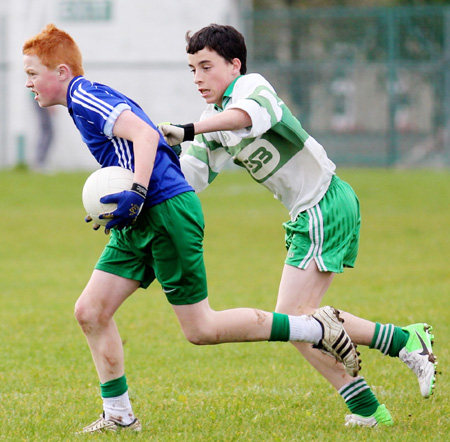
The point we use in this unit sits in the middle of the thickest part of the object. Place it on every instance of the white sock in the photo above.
(118, 409)
(305, 328)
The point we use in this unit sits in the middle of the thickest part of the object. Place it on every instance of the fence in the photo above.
(371, 84)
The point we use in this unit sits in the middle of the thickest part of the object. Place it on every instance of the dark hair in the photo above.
(228, 42)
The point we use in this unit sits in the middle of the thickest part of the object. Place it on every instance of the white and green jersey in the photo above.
(275, 150)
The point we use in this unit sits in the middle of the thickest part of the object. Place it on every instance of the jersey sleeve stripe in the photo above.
(89, 101)
(111, 120)
(88, 106)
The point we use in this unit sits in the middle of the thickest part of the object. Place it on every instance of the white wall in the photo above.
(140, 52)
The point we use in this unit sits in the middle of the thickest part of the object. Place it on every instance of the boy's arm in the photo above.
(228, 120)
(145, 144)
(145, 141)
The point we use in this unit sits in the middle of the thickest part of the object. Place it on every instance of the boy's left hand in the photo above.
(129, 205)
(95, 226)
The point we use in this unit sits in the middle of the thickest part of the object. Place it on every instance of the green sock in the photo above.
(114, 388)
(359, 397)
(280, 328)
(389, 339)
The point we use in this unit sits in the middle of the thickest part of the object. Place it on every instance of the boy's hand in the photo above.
(129, 205)
(95, 226)
(177, 133)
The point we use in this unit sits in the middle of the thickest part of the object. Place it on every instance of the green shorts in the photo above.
(165, 243)
(328, 233)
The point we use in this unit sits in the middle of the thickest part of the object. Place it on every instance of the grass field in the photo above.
(239, 392)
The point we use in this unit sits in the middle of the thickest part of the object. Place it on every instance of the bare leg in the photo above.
(301, 292)
(360, 330)
(203, 326)
(94, 310)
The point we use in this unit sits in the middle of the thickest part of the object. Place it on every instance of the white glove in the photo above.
(176, 133)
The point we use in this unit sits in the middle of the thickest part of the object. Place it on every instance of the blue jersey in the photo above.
(94, 109)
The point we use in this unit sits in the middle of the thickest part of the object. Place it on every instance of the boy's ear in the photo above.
(64, 72)
(237, 65)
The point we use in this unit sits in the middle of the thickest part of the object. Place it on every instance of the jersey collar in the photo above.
(227, 95)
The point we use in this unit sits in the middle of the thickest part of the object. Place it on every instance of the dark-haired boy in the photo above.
(248, 123)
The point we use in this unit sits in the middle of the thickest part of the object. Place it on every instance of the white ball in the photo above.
(103, 182)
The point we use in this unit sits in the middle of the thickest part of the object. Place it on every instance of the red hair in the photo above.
(55, 47)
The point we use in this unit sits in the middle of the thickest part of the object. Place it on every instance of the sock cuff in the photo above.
(353, 388)
(375, 335)
(114, 388)
(359, 398)
(280, 328)
(382, 337)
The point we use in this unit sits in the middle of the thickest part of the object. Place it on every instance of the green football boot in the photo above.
(418, 355)
(380, 417)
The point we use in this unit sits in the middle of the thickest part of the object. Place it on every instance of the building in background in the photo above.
(371, 83)
(136, 46)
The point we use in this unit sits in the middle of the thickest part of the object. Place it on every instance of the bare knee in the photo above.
(89, 317)
(203, 333)
(84, 317)
(199, 323)
(199, 336)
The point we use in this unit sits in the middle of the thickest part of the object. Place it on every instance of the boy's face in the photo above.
(213, 74)
(45, 83)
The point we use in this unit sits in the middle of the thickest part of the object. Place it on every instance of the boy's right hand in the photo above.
(129, 206)
(177, 133)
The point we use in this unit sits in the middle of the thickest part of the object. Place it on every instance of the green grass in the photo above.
(237, 392)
